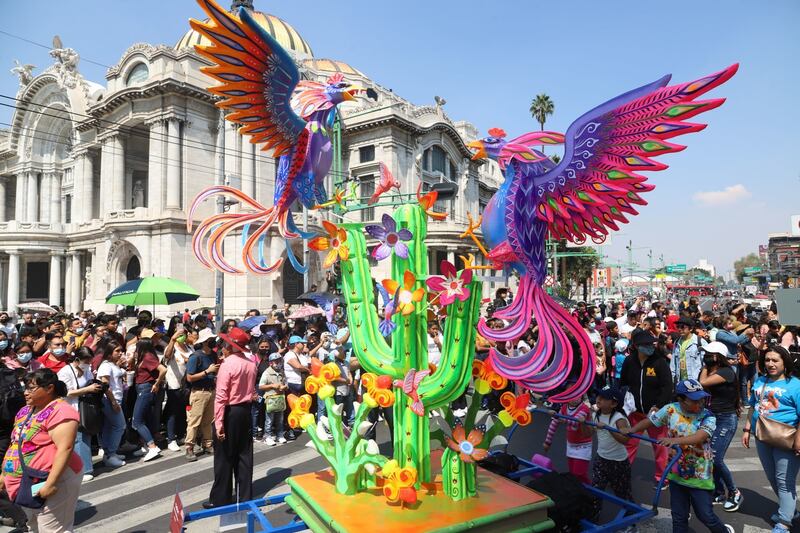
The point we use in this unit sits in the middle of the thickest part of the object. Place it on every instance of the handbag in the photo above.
(274, 403)
(90, 409)
(774, 433)
(30, 477)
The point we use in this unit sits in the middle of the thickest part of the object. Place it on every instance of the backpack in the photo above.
(12, 396)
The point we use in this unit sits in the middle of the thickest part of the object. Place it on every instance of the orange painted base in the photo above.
(501, 505)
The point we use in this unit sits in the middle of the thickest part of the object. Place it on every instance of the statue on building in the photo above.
(23, 72)
(67, 63)
(138, 193)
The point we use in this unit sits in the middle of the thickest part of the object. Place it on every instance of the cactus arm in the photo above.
(472, 412)
(354, 438)
(335, 425)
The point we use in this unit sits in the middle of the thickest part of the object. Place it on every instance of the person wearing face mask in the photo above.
(78, 377)
(6, 351)
(260, 356)
(6, 327)
(21, 358)
(689, 425)
(76, 333)
(112, 375)
(646, 374)
(55, 358)
(176, 355)
(272, 386)
(589, 326)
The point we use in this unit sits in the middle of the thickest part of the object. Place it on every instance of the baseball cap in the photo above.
(294, 339)
(612, 393)
(718, 347)
(147, 333)
(204, 335)
(274, 356)
(643, 337)
(621, 345)
(691, 388)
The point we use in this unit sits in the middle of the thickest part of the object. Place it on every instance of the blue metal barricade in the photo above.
(254, 515)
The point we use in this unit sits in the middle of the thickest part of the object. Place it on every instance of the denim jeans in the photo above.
(113, 428)
(257, 412)
(681, 497)
(273, 424)
(348, 415)
(746, 373)
(142, 411)
(781, 466)
(83, 447)
(720, 440)
(176, 414)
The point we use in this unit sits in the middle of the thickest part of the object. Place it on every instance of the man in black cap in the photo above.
(647, 376)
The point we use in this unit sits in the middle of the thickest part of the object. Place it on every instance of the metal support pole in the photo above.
(306, 278)
(219, 277)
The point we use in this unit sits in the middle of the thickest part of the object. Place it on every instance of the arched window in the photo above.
(137, 74)
(437, 167)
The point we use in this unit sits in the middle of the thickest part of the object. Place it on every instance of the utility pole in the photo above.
(630, 263)
(219, 277)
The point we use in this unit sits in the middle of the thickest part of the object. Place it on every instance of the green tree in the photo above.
(750, 260)
(541, 108)
(578, 269)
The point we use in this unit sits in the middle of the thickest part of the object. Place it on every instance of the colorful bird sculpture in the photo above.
(385, 184)
(593, 187)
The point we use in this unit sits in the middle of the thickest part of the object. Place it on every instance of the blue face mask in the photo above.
(58, 352)
(24, 358)
(78, 331)
(3, 345)
(647, 350)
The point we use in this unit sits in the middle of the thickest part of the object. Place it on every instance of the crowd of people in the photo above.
(93, 387)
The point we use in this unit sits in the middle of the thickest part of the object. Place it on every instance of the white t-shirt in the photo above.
(292, 375)
(626, 328)
(10, 331)
(176, 367)
(434, 354)
(607, 446)
(594, 336)
(73, 381)
(115, 377)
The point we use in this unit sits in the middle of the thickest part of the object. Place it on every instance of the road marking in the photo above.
(744, 464)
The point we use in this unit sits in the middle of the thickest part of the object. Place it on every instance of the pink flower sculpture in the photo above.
(451, 285)
(390, 237)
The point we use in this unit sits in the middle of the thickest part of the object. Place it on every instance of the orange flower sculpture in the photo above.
(426, 201)
(299, 415)
(379, 390)
(407, 296)
(486, 378)
(398, 483)
(319, 382)
(467, 445)
(335, 242)
(515, 408)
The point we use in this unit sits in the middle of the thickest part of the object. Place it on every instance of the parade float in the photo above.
(431, 480)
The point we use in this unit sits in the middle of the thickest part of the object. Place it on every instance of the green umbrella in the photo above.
(152, 291)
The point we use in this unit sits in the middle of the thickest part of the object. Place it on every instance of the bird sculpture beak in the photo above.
(480, 150)
(353, 91)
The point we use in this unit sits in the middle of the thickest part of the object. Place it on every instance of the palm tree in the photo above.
(541, 107)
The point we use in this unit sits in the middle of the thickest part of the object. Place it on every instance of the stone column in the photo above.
(44, 204)
(68, 307)
(13, 282)
(248, 168)
(75, 281)
(55, 278)
(87, 179)
(155, 170)
(2, 291)
(19, 209)
(55, 199)
(106, 165)
(451, 256)
(3, 214)
(118, 173)
(32, 208)
(174, 143)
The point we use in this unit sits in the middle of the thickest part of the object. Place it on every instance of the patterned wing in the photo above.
(257, 77)
(597, 183)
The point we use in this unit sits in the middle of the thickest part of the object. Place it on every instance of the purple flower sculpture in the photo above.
(390, 238)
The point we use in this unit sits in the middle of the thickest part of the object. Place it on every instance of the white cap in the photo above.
(204, 335)
(718, 347)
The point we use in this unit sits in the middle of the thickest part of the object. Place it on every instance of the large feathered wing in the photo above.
(597, 182)
(257, 77)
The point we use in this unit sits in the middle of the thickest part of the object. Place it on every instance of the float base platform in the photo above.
(501, 506)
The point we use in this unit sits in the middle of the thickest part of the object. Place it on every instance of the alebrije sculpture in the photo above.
(257, 80)
(590, 190)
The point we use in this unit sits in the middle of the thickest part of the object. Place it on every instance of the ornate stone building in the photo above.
(96, 180)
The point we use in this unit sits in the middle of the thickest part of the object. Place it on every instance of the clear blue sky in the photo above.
(489, 59)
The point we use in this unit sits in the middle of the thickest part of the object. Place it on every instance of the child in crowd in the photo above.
(620, 352)
(611, 466)
(344, 387)
(273, 386)
(690, 425)
(579, 438)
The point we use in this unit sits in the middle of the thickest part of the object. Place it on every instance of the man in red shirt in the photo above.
(233, 442)
(55, 358)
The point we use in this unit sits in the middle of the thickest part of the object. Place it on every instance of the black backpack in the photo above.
(12, 396)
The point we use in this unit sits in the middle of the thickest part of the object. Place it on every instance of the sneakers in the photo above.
(729, 528)
(719, 499)
(113, 462)
(733, 503)
(118, 456)
(779, 528)
(270, 441)
(173, 446)
(100, 453)
(190, 455)
(281, 440)
(140, 452)
(88, 477)
(151, 454)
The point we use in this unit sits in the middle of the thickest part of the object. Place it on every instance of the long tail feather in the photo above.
(293, 259)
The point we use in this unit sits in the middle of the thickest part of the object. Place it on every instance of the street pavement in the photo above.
(138, 497)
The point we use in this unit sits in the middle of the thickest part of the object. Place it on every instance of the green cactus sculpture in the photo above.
(408, 350)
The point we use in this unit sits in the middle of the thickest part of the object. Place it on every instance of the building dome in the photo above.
(280, 30)
(331, 66)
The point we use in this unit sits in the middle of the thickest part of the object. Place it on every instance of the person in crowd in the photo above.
(201, 372)
(272, 385)
(55, 358)
(628, 323)
(775, 399)
(579, 437)
(77, 376)
(731, 339)
(689, 425)
(590, 327)
(148, 378)
(646, 374)
(620, 353)
(611, 466)
(296, 367)
(344, 388)
(76, 333)
(687, 359)
(434, 343)
(261, 352)
(21, 359)
(112, 375)
(718, 378)
(233, 450)
(176, 356)
(46, 429)
(6, 327)
(27, 321)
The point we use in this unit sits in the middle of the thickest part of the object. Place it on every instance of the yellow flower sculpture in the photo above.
(299, 415)
(335, 242)
(319, 382)
(486, 378)
(515, 408)
(406, 296)
(398, 483)
(379, 390)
